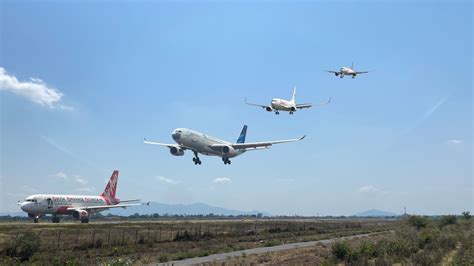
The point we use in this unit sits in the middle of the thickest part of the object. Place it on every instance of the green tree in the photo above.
(466, 215)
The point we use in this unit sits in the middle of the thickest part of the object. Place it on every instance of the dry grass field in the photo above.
(138, 242)
(416, 241)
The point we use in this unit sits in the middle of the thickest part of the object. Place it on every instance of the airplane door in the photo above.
(49, 201)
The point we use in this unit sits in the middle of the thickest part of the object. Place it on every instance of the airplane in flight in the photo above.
(290, 106)
(200, 143)
(347, 71)
(79, 206)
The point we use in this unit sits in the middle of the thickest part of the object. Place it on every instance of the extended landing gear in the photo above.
(341, 76)
(196, 159)
(85, 220)
(277, 113)
(55, 220)
(226, 160)
(353, 76)
(291, 112)
(36, 219)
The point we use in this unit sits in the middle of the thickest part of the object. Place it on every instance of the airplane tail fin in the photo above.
(109, 191)
(243, 133)
(293, 98)
(352, 66)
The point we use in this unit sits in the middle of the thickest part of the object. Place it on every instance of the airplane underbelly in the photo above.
(280, 107)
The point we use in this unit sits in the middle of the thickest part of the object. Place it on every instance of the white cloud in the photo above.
(455, 141)
(369, 189)
(73, 179)
(34, 90)
(79, 180)
(222, 180)
(60, 175)
(165, 180)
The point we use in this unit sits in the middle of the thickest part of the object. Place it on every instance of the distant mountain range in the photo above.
(14, 214)
(181, 209)
(198, 208)
(375, 213)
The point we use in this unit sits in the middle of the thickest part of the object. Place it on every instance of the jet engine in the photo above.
(81, 215)
(228, 151)
(176, 151)
(268, 108)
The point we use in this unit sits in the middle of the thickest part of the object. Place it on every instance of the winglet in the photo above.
(302, 137)
(144, 140)
(329, 101)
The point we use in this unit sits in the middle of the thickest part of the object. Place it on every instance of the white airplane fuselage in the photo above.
(41, 204)
(347, 71)
(283, 105)
(201, 143)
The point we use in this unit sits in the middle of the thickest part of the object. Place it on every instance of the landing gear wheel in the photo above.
(35, 220)
(226, 160)
(277, 113)
(55, 220)
(196, 159)
(85, 221)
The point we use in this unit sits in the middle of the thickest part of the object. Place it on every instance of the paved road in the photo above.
(226, 256)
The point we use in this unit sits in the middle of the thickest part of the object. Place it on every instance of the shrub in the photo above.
(423, 258)
(427, 236)
(368, 250)
(98, 243)
(399, 248)
(185, 236)
(27, 245)
(417, 221)
(341, 250)
(271, 243)
(447, 220)
(163, 258)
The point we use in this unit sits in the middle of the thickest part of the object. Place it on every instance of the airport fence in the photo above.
(103, 235)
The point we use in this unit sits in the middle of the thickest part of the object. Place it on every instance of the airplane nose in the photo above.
(24, 207)
(176, 136)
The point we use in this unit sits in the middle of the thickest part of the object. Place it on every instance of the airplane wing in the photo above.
(162, 144)
(362, 72)
(130, 200)
(332, 71)
(256, 145)
(104, 207)
(303, 105)
(259, 105)
(308, 105)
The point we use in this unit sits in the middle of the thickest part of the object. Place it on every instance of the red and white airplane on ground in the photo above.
(79, 206)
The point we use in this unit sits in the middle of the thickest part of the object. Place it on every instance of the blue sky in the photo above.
(113, 73)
